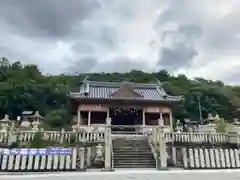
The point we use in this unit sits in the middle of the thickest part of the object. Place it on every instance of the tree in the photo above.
(24, 87)
(57, 118)
(221, 126)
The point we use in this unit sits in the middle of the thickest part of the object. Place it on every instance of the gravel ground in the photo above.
(132, 174)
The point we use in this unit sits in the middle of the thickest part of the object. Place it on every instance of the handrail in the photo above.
(112, 158)
(153, 150)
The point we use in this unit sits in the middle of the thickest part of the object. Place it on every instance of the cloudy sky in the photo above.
(194, 37)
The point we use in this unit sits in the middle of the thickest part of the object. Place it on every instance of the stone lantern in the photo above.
(210, 125)
(235, 128)
(179, 126)
(5, 123)
(24, 120)
(36, 118)
(211, 119)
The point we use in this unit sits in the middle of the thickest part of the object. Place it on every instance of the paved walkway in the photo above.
(133, 175)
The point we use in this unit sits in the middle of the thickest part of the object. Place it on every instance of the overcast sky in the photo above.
(194, 37)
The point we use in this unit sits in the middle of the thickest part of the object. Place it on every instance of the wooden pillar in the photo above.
(89, 118)
(78, 116)
(161, 120)
(143, 118)
(108, 113)
(170, 118)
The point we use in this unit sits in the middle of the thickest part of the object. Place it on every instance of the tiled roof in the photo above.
(103, 90)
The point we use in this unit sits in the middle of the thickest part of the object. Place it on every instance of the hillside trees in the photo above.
(24, 87)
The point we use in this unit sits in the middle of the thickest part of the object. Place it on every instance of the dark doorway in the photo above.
(123, 119)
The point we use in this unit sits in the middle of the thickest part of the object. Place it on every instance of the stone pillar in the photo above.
(174, 155)
(154, 136)
(89, 156)
(108, 144)
(82, 158)
(89, 118)
(162, 149)
(62, 135)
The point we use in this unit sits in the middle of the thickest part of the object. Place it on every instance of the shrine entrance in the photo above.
(124, 119)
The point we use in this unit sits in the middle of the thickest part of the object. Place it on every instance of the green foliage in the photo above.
(57, 118)
(38, 141)
(25, 88)
(221, 126)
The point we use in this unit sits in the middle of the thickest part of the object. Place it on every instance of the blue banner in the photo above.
(36, 152)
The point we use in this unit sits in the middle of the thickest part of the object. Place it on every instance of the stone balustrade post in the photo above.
(210, 137)
(89, 156)
(238, 139)
(108, 144)
(162, 150)
(62, 134)
(82, 158)
(74, 128)
(12, 136)
(154, 136)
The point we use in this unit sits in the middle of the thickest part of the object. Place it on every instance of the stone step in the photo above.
(139, 161)
(133, 158)
(147, 154)
(132, 155)
(131, 145)
(132, 151)
(135, 162)
(123, 165)
(128, 142)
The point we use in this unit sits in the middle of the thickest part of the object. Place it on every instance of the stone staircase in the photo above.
(132, 152)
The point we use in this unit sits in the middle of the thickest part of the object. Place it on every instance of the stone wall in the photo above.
(21, 163)
(210, 158)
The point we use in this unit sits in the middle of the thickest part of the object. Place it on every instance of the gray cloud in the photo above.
(85, 64)
(80, 47)
(179, 56)
(180, 51)
(226, 34)
(191, 31)
(121, 64)
(116, 35)
(46, 18)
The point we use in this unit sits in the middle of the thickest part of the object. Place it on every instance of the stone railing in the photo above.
(196, 137)
(67, 136)
(58, 136)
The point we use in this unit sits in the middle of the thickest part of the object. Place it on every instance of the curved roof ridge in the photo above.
(120, 84)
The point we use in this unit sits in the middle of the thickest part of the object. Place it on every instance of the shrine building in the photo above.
(126, 103)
